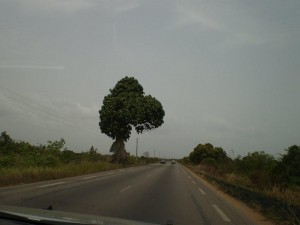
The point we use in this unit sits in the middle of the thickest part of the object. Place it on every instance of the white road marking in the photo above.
(86, 178)
(189, 177)
(201, 191)
(49, 185)
(193, 182)
(221, 214)
(124, 189)
(109, 173)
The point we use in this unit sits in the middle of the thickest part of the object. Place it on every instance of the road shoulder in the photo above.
(237, 204)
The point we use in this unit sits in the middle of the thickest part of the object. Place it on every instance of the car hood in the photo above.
(62, 217)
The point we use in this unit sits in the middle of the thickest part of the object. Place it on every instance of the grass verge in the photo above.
(14, 176)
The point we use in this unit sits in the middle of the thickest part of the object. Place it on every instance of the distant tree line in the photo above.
(259, 168)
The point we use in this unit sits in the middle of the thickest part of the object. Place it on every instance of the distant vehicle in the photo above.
(173, 161)
(163, 161)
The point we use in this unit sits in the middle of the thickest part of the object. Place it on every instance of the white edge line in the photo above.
(201, 191)
(109, 173)
(49, 185)
(90, 177)
(124, 189)
(221, 214)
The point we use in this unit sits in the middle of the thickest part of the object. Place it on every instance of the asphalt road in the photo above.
(153, 193)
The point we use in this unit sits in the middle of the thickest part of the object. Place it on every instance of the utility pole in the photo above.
(154, 153)
(136, 149)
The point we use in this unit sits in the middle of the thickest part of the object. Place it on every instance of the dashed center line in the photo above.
(90, 177)
(49, 185)
(221, 214)
(124, 189)
(189, 177)
(193, 182)
(201, 191)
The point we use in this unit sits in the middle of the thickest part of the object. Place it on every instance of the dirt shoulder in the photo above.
(241, 206)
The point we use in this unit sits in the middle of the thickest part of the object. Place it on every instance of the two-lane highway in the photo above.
(153, 193)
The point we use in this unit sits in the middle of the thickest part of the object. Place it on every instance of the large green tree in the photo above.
(128, 107)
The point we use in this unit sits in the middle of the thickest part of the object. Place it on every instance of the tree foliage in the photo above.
(204, 151)
(127, 107)
(256, 161)
(292, 160)
(287, 171)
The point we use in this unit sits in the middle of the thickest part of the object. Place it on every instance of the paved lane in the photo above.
(153, 193)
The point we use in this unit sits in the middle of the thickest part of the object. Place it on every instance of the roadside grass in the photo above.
(19, 175)
(21, 162)
(291, 195)
(282, 206)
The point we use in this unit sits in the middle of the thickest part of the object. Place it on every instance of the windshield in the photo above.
(151, 110)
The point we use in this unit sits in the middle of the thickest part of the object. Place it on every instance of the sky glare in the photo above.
(226, 72)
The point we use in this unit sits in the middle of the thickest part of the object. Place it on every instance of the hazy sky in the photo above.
(225, 71)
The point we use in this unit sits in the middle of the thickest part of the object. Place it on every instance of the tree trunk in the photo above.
(118, 148)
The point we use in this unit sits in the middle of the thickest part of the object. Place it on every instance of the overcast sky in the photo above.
(225, 71)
